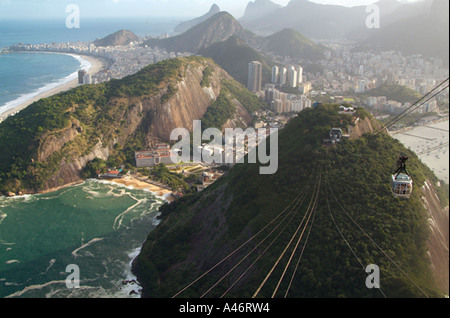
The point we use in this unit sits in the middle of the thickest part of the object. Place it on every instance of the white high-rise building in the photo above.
(283, 76)
(292, 77)
(275, 74)
(300, 74)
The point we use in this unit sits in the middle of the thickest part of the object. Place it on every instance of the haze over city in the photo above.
(39, 9)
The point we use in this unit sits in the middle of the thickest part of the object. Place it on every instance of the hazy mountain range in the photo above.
(417, 27)
(184, 26)
(427, 33)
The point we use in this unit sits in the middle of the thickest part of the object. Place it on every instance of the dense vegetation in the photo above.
(219, 112)
(224, 107)
(95, 108)
(396, 93)
(163, 175)
(289, 42)
(98, 112)
(202, 229)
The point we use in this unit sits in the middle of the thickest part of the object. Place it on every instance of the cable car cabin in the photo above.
(336, 135)
(402, 186)
(402, 183)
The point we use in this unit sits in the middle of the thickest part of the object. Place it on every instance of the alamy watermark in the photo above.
(73, 280)
(230, 148)
(373, 20)
(373, 280)
(73, 19)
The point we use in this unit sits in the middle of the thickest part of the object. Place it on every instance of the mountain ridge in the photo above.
(258, 9)
(48, 144)
(217, 28)
(184, 26)
(426, 34)
(234, 55)
(119, 38)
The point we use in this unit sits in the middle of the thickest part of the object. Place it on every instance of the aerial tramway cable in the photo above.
(313, 212)
(415, 106)
(259, 257)
(292, 214)
(313, 201)
(240, 247)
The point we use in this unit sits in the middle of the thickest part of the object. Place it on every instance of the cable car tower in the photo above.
(402, 183)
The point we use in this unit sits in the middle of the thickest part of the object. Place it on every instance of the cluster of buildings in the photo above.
(382, 105)
(291, 77)
(348, 72)
(122, 60)
(281, 102)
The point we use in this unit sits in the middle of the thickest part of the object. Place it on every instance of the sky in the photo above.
(28, 9)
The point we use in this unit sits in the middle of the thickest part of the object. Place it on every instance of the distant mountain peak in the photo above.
(217, 28)
(258, 9)
(214, 8)
(184, 26)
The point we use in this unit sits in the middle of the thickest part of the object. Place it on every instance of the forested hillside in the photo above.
(309, 230)
(48, 144)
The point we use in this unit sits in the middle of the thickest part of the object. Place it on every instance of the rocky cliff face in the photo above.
(176, 105)
(438, 243)
(363, 126)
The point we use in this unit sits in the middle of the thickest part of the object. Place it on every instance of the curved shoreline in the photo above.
(96, 65)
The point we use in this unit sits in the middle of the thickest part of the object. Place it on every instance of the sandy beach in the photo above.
(96, 66)
(142, 185)
(425, 141)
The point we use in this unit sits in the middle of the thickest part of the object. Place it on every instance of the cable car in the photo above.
(402, 184)
(336, 135)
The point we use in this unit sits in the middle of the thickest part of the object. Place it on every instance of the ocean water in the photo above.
(25, 75)
(97, 226)
(55, 30)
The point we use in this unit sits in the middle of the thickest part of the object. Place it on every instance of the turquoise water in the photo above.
(97, 226)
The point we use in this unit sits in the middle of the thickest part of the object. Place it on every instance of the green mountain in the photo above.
(233, 55)
(123, 37)
(48, 144)
(291, 43)
(309, 230)
(217, 28)
(394, 92)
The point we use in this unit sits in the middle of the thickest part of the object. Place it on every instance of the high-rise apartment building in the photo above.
(275, 74)
(254, 76)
